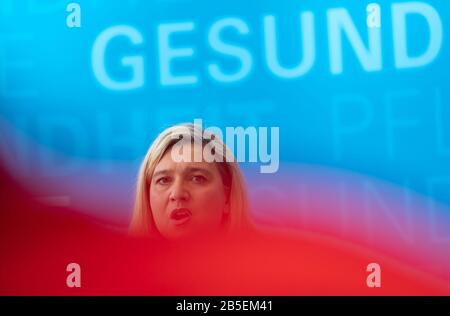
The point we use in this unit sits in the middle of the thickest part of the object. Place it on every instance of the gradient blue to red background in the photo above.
(364, 153)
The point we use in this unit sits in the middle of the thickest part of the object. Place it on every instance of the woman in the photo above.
(189, 197)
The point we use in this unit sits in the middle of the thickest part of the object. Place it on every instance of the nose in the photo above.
(179, 192)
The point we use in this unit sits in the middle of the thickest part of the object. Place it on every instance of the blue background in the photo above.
(50, 97)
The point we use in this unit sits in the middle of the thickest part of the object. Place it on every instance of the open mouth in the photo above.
(180, 215)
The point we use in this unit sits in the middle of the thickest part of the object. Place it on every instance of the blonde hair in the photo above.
(142, 222)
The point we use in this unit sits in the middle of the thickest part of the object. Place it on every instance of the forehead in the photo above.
(168, 164)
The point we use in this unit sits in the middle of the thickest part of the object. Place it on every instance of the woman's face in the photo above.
(187, 198)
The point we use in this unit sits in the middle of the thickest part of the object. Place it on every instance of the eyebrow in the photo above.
(188, 170)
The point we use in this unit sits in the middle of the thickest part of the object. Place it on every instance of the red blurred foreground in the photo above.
(38, 242)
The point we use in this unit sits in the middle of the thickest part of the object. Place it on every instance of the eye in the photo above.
(163, 180)
(199, 179)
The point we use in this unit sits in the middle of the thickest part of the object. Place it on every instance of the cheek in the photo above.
(210, 201)
(157, 203)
